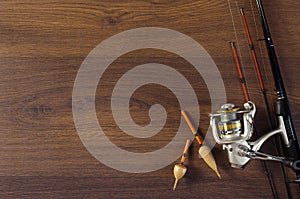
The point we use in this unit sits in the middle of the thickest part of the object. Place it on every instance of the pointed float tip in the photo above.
(175, 184)
(218, 174)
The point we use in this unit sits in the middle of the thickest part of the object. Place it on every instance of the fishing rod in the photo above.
(283, 109)
(246, 95)
(239, 70)
(276, 139)
(254, 58)
(233, 127)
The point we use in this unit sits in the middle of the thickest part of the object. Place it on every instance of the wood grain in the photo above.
(42, 45)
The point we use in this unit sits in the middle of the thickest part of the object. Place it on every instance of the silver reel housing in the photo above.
(232, 124)
(232, 127)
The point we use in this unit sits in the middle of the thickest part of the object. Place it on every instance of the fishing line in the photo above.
(251, 51)
(259, 43)
(237, 40)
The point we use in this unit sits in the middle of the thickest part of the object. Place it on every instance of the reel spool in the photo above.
(230, 124)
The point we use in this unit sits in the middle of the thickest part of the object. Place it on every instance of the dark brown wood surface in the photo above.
(42, 45)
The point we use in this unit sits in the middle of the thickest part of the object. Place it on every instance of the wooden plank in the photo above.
(42, 45)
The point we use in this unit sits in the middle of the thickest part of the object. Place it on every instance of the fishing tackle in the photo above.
(239, 70)
(283, 110)
(180, 169)
(276, 139)
(204, 150)
(246, 95)
(233, 128)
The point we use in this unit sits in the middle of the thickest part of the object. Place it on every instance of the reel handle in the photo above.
(244, 151)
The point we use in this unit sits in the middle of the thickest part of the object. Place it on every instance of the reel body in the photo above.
(233, 128)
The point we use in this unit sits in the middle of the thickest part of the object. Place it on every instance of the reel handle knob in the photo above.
(296, 165)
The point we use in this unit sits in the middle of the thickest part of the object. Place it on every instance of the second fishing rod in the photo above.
(247, 98)
(283, 109)
(276, 139)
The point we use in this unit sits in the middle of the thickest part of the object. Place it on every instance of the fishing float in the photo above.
(204, 150)
(180, 169)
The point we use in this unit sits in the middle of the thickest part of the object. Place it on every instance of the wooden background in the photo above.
(42, 45)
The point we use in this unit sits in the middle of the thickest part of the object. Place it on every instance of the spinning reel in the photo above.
(233, 128)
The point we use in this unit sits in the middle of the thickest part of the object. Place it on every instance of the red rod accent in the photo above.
(241, 76)
(252, 51)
